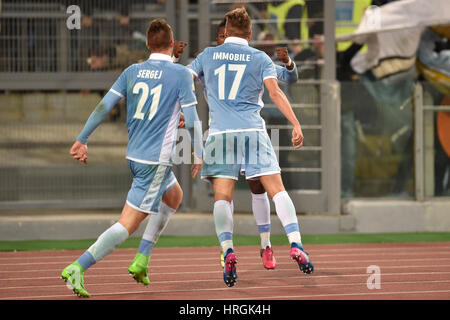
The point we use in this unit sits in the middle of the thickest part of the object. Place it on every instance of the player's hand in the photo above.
(181, 124)
(79, 151)
(297, 137)
(283, 56)
(178, 48)
(196, 167)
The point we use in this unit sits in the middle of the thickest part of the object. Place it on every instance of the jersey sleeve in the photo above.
(268, 68)
(186, 91)
(120, 86)
(98, 115)
(285, 75)
(196, 66)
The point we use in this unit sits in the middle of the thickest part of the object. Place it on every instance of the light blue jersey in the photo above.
(285, 75)
(234, 75)
(155, 91)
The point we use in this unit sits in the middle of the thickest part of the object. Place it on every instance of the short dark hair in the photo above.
(159, 34)
(221, 24)
(316, 28)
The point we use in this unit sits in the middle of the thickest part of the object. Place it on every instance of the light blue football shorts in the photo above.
(150, 183)
(226, 155)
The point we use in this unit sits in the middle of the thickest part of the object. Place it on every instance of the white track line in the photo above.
(311, 277)
(215, 266)
(243, 288)
(214, 280)
(315, 262)
(238, 250)
(428, 254)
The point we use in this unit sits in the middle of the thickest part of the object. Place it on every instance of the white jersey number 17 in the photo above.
(220, 72)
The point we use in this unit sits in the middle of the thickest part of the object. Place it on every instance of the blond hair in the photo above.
(238, 23)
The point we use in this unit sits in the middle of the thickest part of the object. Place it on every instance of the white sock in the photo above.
(261, 213)
(155, 226)
(157, 223)
(108, 241)
(288, 216)
(223, 220)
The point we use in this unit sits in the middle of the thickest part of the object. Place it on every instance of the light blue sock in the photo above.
(146, 247)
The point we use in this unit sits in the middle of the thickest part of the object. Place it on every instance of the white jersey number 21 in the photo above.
(156, 92)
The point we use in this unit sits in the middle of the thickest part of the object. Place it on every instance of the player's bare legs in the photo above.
(223, 220)
(173, 198)
(131, 218)
(273, 184)
(223, 189)
(156, 224)
(286, 213)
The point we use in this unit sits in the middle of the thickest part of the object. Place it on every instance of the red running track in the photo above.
(408, 271)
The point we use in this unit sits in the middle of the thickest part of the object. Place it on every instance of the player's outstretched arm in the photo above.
(79, 148)
(282, 103)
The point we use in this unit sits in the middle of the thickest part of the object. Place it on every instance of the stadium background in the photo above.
(374, 160)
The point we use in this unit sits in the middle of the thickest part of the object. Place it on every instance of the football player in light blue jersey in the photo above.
(235, 75)
(156, 91)
(260, 200)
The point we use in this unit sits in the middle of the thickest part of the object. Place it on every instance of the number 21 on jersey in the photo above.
(221, 71)
(155, 92)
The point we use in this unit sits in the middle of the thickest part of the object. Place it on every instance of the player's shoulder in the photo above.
(261, 55)
(180, 68)
(132, 67)
(181, 72)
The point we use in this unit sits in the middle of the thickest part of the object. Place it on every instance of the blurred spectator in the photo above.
(88, 7)
(267, 44)
(114, 57)
(310, 60)
(279, 12)
(292, 9)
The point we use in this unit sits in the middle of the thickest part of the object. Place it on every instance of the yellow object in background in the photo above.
(349, 14)
(374, 158)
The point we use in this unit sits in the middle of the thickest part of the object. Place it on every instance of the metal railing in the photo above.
(39, 52)
(427, 177)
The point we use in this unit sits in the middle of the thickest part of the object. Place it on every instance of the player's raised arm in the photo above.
(282, 103)
(289, 72)
(79, 149)
(178, 48)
